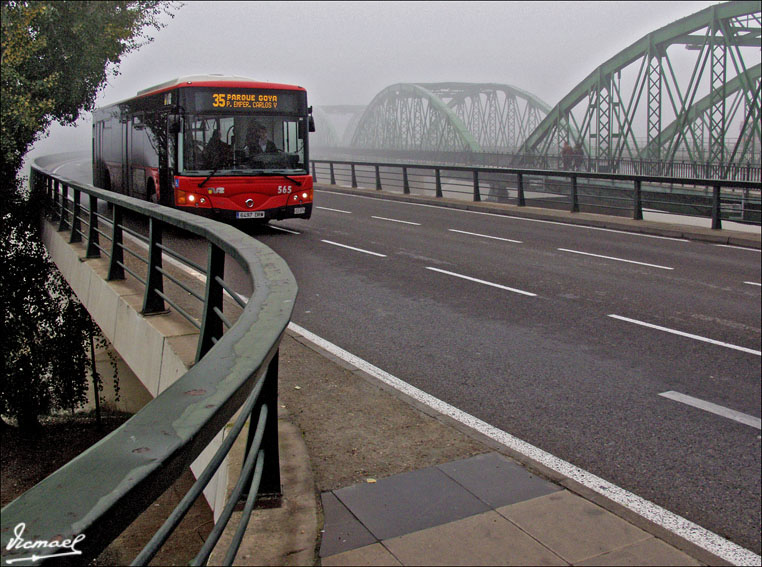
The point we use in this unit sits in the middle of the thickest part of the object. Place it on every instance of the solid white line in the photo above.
(714, 408)
(481, 281)
(739, 247)
(335, 210)
(753, 283)
(689, 335)
(692, 532)
(355, 249)
(284, 229)
(617, 259)
(395, 220)
(485, 236)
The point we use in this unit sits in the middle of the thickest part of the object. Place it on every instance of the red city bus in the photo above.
(225, 147)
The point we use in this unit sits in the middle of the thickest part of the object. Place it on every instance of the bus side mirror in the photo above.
(173, 124)
(312, 124)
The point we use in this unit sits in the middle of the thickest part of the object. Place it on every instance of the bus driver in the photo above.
(257, 142)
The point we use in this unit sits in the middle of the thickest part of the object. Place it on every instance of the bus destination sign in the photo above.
(244, 101)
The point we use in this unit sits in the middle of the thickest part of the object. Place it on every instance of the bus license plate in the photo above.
(250, 215)
(299, 210)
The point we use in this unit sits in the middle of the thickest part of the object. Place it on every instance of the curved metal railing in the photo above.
(98, 494)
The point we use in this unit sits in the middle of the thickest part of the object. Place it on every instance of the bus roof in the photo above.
(216, 80)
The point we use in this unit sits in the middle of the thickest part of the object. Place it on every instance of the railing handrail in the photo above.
(99, 493)
(580, 174)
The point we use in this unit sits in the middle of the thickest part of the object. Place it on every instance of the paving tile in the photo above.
(496, 480)
(484, 539)
(375, 554)
(409, 502)
(651, 551)
(572, 527)
(341, 531)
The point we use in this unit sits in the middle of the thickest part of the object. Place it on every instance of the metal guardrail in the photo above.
(679, 167)
(98, 494)
(607, 193)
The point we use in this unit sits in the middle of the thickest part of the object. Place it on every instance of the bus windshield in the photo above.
(239, 144)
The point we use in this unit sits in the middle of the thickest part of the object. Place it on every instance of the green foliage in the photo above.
(55, 58)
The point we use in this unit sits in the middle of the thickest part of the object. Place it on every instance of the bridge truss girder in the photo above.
(449, 117)
(620, 109)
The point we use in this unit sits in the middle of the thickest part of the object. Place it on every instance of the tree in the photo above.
(55, 57)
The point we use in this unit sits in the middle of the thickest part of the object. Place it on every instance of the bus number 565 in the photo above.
(284, 189)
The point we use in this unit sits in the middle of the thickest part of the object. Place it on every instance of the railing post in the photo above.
(63, 223)
(56, 211)
(354, 177)
(405, 182)
(378, 179)
(333, 177)
(439, 183)
(637, 202)
(574, 199)
(211, 324)
(477, 196)
(92, 233)
(520, 189)
(76, 223)
(152, 301)
(716, 209)
(269, 487)
(116, 269)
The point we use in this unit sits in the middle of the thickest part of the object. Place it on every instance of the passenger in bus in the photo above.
(257, 142)
(217, 153)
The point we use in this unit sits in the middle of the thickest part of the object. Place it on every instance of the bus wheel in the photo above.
(151, 192)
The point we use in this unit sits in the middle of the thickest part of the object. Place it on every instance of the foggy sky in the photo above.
(347, 52)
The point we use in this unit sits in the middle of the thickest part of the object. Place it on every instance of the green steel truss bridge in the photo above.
(689, 91)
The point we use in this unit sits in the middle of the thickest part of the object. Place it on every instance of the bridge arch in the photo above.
(408, 116)
(638, 104)
(499, 116)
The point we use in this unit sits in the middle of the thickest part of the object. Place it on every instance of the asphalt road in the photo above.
(560, 335)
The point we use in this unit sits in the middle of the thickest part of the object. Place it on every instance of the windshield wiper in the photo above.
(209, 176)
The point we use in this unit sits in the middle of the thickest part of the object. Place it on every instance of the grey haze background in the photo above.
(347, 52)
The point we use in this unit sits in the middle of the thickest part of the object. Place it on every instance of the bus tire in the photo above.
(151, 191)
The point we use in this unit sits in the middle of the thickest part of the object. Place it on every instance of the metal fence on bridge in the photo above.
(102, 491)
(620, 194)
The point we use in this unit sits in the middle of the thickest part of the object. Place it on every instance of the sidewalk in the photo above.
(371, 477)
(397, 485)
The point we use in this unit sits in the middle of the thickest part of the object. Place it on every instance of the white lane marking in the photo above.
(714, 408)
(684, 528)
(396, 220)
(284, 229)
(335, 210)
(485, 236)
(739, 247)
(355, 249)
(469, 278)
(617, 259)
(753, 283)
(689, 335)
(518, 218)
